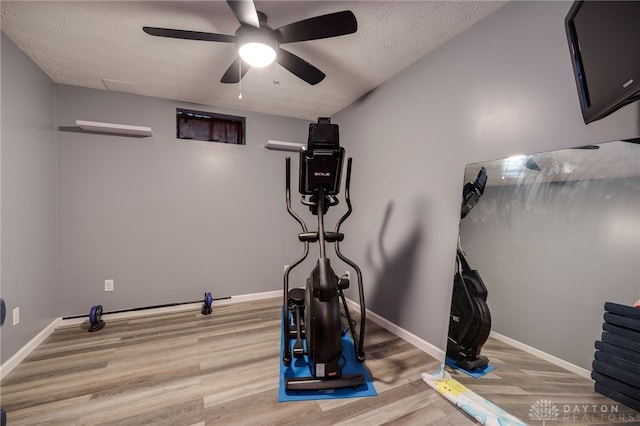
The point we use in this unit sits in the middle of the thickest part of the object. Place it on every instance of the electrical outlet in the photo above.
(16, 315)
(108, 285)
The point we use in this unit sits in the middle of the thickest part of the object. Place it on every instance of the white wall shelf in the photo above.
(118, 129)
(284, 146)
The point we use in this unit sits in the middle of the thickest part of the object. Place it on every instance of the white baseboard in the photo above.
(540, 354)
(416, 341)
(24, 352)
(16, 359)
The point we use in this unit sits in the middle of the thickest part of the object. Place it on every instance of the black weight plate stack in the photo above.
(616, 367)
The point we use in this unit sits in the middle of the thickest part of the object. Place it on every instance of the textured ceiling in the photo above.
(85, 43)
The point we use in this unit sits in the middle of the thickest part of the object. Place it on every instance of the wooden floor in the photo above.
(186, 369)
(521, 379)
(189, 369)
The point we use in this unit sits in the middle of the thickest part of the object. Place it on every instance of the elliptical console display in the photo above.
(312, 316)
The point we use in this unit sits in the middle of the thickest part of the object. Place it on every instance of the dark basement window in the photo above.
(209, 126)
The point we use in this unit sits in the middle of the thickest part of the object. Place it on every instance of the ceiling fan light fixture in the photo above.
(257, 44)
(257, 54)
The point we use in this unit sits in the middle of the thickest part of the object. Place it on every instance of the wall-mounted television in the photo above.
(604, 40)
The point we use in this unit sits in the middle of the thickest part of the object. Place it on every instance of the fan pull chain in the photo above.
(276, 82)
(240, 77)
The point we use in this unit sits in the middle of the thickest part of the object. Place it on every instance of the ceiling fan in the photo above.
(259, 45)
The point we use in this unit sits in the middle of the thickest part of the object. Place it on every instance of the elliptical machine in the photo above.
(312, 315)
(470, 319)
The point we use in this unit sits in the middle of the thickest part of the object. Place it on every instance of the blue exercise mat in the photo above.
(300, 368)
(477, 373)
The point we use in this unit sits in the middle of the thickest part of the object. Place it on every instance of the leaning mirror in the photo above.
(552, 236)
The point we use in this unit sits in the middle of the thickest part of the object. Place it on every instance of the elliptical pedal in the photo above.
(296, 304)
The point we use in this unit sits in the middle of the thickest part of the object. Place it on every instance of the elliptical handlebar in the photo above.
(288, 196)
(347, 198)
(286, 355)
(310, 202)
(359, 339)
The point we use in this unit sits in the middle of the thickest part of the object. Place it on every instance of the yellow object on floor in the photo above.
(481, 409)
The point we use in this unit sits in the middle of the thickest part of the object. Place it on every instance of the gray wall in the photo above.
(167, 219)
(551, 254)
(29, 261)
(504, 87)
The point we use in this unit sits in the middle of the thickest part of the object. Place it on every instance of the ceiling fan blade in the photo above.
(324, 26)
(232, 75)
(188, 35)
(245, 11)
(299, 67)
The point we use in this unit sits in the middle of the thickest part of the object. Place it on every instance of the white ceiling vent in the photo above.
(119, 86)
